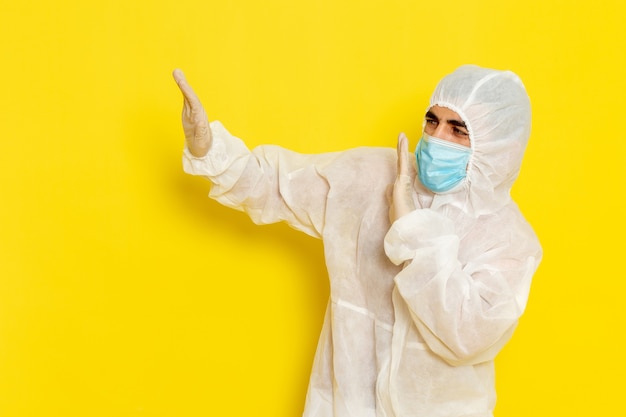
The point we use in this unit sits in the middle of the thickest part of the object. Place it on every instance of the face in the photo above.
(446, 124)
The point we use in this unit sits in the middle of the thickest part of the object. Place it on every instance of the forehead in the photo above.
(445, 113)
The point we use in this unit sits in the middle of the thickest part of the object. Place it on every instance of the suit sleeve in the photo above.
(270, 183)
(465, 310)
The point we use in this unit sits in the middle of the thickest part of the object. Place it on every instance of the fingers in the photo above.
(189, 95)
(178, 75)
(180, 79)
(402, 202)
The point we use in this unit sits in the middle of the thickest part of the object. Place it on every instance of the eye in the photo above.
(459, 132)
(431, 122)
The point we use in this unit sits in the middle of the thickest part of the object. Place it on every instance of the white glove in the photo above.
(402, 202)
(195, 121)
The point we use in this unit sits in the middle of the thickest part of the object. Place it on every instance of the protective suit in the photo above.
(419, 308)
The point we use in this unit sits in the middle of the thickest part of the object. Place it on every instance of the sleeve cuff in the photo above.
(226, 158)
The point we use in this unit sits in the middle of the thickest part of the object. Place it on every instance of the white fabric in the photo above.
(418, 340)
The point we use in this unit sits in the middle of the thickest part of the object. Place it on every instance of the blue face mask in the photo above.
(441, 165)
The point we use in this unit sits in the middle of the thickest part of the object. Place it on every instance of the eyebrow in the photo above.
(457, 123)
(431, 115)
(453, 122)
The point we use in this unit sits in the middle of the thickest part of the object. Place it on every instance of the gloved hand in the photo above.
(195, 121)
(402, 201)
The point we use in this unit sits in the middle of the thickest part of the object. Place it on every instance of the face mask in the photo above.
(441, 164)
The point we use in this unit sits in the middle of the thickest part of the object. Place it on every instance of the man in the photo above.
(425, 287)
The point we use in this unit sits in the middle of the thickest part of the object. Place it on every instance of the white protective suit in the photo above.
(418, 340)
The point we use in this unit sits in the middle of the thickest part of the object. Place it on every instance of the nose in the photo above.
(439, 131)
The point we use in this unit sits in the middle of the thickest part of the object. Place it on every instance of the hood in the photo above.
(496, 109)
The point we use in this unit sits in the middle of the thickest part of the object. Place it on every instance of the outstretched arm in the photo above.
(270, 183)
(195, 122)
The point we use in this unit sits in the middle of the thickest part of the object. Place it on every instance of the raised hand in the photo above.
(402, 202)
(194, 118)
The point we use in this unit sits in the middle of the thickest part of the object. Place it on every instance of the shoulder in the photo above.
(509, 227)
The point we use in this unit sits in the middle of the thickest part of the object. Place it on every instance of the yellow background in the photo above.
(125, 291)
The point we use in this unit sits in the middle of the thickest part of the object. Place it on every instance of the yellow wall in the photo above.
(124, 291)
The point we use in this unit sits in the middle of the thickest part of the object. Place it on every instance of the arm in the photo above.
(465, 310)
(270, 184)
